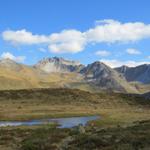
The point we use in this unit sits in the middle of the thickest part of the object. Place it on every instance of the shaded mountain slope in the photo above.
(140, 73)
(105, 77)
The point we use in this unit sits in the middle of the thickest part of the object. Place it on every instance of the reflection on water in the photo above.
(63, 122)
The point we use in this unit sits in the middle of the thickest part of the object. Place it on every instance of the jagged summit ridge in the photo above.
(58, 64)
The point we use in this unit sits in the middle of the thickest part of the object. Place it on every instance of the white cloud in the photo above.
(67, 41)
(7, 55)
(102, 53)
(70, 41)
(111, 31)
(133, 51)
(73, 41)
(24, 37)
(117, 63)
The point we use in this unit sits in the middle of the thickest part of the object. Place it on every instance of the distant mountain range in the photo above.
(140, 73)
(59, 72)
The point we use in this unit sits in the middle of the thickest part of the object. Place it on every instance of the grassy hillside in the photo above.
(27, 78)
(65, 95)
(43, 103)
(141, 88)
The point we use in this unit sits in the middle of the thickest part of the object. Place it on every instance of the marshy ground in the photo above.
(133, 137)
(122, 124)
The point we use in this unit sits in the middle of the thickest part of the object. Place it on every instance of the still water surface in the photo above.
(63, 122)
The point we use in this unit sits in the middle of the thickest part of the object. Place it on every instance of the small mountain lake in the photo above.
(62, 122)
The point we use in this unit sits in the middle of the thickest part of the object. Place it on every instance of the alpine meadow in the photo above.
(74, 75)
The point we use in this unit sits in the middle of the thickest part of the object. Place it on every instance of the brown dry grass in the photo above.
(45, 103)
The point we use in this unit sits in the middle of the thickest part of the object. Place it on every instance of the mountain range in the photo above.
(58, 72)
(140, 73)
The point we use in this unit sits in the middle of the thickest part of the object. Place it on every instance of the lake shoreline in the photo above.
(65, 122)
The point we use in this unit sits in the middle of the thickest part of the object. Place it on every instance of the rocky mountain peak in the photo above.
(57, 64)
(105, 77)
(95, 75)
(58, 60)
(96, 69)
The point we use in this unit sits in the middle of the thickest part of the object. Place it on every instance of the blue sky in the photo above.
(114, 31)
